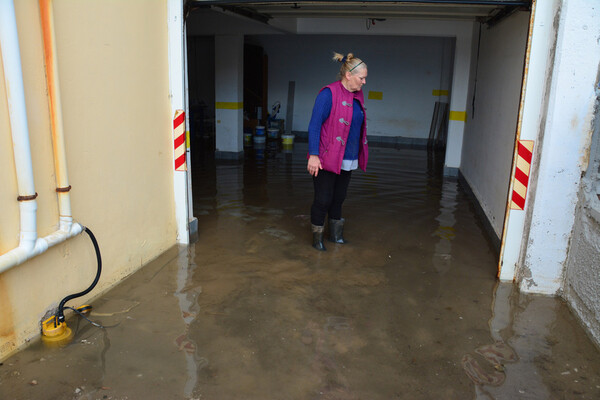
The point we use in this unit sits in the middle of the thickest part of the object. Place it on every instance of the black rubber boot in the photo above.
(336, 230)
(317, 232)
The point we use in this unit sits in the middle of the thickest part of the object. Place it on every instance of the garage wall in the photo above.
(406, 70)
(562, 241)
(582, 270)
(492, 118)
(582, 286)
(118, 135)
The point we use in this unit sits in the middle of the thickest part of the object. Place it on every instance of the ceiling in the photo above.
(473, 10)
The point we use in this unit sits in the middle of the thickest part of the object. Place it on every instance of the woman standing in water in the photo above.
(337, 145)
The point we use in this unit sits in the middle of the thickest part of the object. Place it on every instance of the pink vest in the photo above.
(335, 130)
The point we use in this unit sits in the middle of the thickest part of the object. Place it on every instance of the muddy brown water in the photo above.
(409, 309)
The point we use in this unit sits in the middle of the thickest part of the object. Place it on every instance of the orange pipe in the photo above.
(56, 121)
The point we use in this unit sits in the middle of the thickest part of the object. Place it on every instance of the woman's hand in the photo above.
(314, 165)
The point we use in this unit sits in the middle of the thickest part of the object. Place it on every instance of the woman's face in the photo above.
(354, 82)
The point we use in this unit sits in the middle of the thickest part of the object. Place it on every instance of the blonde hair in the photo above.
(349, 64)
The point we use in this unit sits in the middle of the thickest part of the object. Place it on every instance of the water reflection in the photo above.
(509, 367)
(251, 312)
(229, 188)
(187, 293)
(445, 232)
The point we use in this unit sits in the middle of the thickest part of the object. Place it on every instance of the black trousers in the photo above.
(330, 193)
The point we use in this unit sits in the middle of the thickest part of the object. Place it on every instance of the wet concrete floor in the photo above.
(409, 309)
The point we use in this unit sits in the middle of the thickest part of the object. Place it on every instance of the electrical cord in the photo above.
(60, 316)
(86, 318)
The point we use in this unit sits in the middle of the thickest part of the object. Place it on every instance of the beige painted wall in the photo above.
(113, 69)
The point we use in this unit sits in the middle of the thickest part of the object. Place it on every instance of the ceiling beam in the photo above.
(522, 3)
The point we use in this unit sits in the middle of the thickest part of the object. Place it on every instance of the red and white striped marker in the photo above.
(521, 180)
(179, 140)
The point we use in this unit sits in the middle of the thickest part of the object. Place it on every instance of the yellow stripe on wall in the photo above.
(523, 165)
(229, 105)
(440, 93)
(520, 189)
(458, 116)
(375, 95)
(528, 144)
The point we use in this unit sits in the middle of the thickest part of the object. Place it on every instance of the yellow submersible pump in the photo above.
(55, 331)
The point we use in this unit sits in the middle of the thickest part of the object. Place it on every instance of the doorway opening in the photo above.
(451, 87)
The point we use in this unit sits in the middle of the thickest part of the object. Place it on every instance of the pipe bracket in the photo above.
(63, 189)
(27, 198)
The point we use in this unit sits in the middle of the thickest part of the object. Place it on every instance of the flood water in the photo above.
(408, 309)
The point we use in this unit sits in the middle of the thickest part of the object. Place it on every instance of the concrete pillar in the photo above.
(563, 147)
(229, 96)
(458, 102)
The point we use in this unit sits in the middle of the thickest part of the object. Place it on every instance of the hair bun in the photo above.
(339, 57)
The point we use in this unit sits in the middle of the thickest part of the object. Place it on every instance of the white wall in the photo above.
(491, 126)
(405, 69)
(461, 30)
(564, 149)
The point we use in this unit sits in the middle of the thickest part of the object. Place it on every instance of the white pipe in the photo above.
(25, 251)
(29, 244)
(13, 77)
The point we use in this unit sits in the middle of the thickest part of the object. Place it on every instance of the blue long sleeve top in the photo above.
(321, 112)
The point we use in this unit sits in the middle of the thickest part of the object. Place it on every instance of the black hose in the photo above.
(60, 313)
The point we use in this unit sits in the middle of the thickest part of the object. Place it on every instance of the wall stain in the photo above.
(574, 122)
(592, 120)
(7, 329)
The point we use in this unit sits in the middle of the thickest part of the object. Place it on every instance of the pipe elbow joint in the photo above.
(65, 223)
(76, 229)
